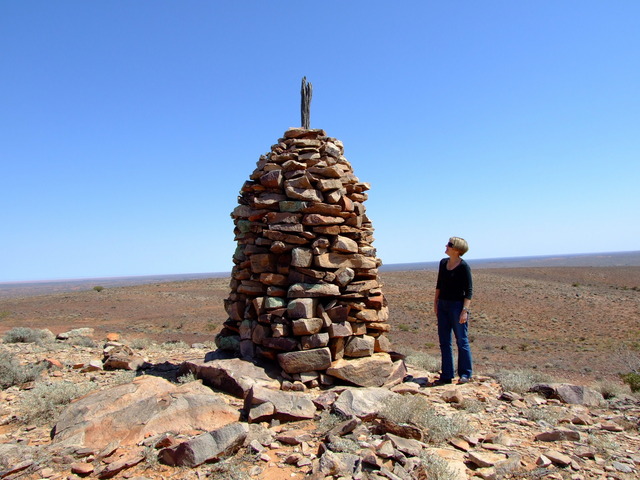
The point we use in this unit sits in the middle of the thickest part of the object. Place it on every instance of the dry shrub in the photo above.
(610, 389)
(422, 360)
(12, 372)
(328, 420)
(520, 381)
(42, 404)
(542, 414)
(82, 341)
(433, 467)
(417, 411)
(604, 445)
(232, 468)
(28, 335)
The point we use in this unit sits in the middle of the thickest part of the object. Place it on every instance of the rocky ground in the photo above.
(529, 326)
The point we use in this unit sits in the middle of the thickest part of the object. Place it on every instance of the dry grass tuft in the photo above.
(417, 411)
(520, 381)
(43, 404)
(12, 372)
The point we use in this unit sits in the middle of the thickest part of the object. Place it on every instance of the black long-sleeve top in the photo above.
(454, 284)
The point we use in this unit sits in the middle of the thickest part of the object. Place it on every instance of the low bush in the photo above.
(423, 361)
(520, 381)
(545, 415)
(187, 378)
(417, 411)
(633, 380)
(609, 389)
(232, 468)
(28, 335)
(433, 467)
(82, 341)
(42, 404)
(328, 420)
(13, 372)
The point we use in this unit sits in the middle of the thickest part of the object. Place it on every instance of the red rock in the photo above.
(82, 468)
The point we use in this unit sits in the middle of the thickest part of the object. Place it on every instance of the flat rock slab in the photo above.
(305, 360)
(572, 394)
(370, 371)
(287, 406)
(234, 376)
(148, 406)
(364, 403)
(207, 446)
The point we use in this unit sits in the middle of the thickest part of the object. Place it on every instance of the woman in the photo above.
(454, 289)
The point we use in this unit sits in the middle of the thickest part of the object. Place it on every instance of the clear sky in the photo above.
(128, 128)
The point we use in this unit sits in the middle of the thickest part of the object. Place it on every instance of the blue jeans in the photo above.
(448, 321)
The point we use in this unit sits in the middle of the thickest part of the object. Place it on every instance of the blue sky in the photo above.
(128, 128)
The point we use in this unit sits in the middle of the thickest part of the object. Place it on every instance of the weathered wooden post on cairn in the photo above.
(305, 291)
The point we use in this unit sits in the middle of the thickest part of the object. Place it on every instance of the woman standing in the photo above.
(454, 289)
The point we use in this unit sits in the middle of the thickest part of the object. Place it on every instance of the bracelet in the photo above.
(465, 309)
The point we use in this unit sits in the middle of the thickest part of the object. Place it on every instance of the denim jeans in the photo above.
(448, 321)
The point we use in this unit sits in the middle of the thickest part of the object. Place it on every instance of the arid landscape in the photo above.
(566, 321)
(576, 324)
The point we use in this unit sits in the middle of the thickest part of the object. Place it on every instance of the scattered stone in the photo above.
(486, 459)
(112, 469)
(82, 468)
(287, 406)
(572, 394)
(558, 458)
(558, 435)
(121, 357)
(207, 446)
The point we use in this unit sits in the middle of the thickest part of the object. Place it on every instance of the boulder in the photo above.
(207, 446)
(572, 394)
(364, 403)
(234, 376)
(287, 406)
(370, 371)
(148, 406)
(305, 360)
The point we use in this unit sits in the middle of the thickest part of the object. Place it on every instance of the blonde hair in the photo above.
(460, 244)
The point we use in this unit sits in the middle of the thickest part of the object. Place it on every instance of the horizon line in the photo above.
(223, 274)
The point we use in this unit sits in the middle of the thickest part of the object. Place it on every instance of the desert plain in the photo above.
(576, 322)
(572, 324)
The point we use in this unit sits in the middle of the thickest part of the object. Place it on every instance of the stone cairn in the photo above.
(305, 290)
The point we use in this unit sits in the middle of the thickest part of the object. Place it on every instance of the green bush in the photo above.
(27, 335)
(633, 380)
(98, 288)
(13, 372)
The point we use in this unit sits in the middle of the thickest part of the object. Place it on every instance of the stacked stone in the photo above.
(305, 289)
